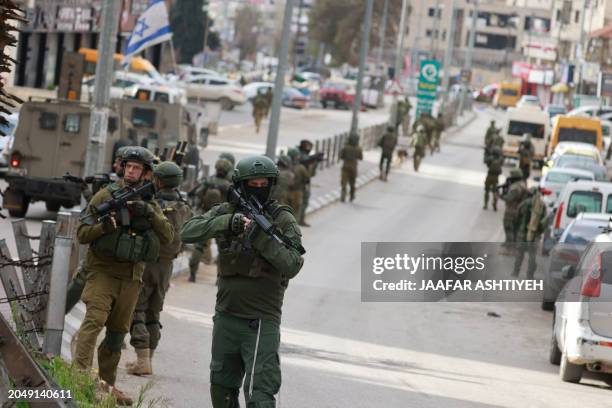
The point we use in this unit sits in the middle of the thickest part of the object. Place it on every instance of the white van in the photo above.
(527, 119)
(581, 196)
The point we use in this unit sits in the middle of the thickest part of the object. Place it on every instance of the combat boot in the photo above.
(343, 196)
(121, 398)
(142, 365)
(192, 274)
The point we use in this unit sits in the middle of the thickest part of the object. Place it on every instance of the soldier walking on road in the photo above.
(302, 179)
(494, 162)
(516, 191)
(419, 142)
(526, 151)
(119, 246)
(350, 155)
(438, 128)
(269, 95)
(387, 143)
(310, 162)
(406, 107)
(145, 331)
(254, 271)
(531, 220)
(259, 110)
(212, 191)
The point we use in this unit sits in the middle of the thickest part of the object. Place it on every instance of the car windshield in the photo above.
(509, 92)
(557, 177)
(556, 110)
(7, 129)
(578, 135)
(575, 160)
(582, 232)
(517, 128)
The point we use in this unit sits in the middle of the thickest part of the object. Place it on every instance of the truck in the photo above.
(51, 140)
(527, 119)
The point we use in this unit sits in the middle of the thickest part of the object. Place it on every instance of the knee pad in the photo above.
(113, 340)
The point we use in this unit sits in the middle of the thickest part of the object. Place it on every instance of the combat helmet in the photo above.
(223, 167)
(516, 173)
(229, 157)
(293, 153)
(284, 161)
(254, 167)
(169, 173)
(138, 154)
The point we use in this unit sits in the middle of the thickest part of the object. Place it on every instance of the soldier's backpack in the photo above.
(214, 191)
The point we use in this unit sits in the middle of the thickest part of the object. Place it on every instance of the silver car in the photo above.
(552, 183)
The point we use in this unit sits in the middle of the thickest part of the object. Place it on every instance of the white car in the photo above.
(186, 72)
(124, 85)
(6, 142)
(251, 90)
(161, 93)
(214, 88)
(591, 110)
(582, 323)
(528, 100)
(553, 182)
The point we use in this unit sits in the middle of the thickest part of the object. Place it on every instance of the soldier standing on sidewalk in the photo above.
(387, 143)
(115, 262)
(531, 220)
(350, 155)
(302, 179)
(494, 162)
(310, 163)
(254, 272)
(517, 189)
(285, 181)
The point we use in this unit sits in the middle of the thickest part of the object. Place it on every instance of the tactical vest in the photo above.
(284, 182)
(350, 153)
(177, 212)
(238, 258)
(495, 166)
(215, 192)
(136, 242)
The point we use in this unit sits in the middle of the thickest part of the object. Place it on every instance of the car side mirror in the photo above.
(571, 212)
(568, 271)
(537, 179)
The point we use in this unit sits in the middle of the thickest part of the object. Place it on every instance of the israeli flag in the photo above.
(152, 28)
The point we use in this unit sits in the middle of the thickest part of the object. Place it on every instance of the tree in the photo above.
(246, 26)
(337, 23)
(187, 23)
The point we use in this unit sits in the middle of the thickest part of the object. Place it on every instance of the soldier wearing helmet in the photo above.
(119, 247)
(230, 158)
(494, 162)
(526, 151)
(212, 191)
(254, 271)
(516, 192)
(145, 330)
(418, 142)
(350, 155)
(531, 220)
(300, 184)
(285, 181)
(387, 142)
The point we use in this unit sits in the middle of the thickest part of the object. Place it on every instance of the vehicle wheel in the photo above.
(226, 104)
(53, 206)
(554, 354)
(570, 372)
(548, 306)
(607, 378)
(16, 203)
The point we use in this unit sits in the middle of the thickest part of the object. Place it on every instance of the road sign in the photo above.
(429, 78)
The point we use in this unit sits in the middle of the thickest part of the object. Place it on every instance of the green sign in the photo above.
(429, 78)
(430, 72)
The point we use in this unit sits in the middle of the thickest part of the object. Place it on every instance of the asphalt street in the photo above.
(338, 351)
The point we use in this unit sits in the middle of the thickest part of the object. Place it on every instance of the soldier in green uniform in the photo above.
(269, 96)
(254, 271)
(350, 155)
(145, 330)
(285, 181)
(387, 143)
(418, 142)
(212, 191)
(304, 148)
(513, 197)
(406, 117)
(491, 130)
(119, 246)
(531, 219)
(526, 151)
(259, 110)
(494, 162)
(302, 179)
(438, 128)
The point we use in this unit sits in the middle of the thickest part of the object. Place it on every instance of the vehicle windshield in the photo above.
(575, 160)
(509, 92)
(563, 178)
(577, 135)
(582, 232)
(517, 128)
(8, 128)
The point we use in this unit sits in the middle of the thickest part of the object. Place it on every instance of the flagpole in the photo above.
(173, 55)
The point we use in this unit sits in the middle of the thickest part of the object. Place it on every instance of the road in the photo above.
(340, 352)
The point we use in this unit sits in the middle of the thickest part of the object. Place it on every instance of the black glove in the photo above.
(237, 222)
(140, 209)
(109, 224)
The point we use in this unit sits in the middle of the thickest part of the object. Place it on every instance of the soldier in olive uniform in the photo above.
(211, 192)
(531, 219)
(302, 179)
(406, 117)
(230, 158)
(304, 148)
(526, 151)
(350, 155)
(115, 262)
(489, 134)
(418, 142)
(387, 143)
(145, 331)
(259, 110)
(254, 271)
(494, 162)
(285, 181)
(269, 96)
(513, 198)
(438, 128)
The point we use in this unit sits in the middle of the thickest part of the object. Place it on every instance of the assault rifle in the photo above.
(105, 209)
(317, 157)
(255, 211)
(97, 182)
(506, 186)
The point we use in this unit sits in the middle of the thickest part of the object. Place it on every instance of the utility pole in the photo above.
(365, 36)
(448, 54)
(205, 9)
(279, 82)
(398, 57)
(381, 52)
(435, 31)
(472, 38)
(94, 156)
(581, 45)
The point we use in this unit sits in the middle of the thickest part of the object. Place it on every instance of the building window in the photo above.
(431, 12)
(428, 33)
(558, 17)
(577, 17)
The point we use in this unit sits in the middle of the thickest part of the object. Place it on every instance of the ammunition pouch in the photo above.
(245, 263)
(127, 246)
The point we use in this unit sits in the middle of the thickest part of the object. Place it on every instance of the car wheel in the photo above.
(226, 104)
(547, 305)
(16, 203)
(554, 354)
(53, 206)
(570, 372)
(607, 378)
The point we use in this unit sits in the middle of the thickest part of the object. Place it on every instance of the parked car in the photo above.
(553, 182)
(186, 72)
(251, 90)
(214, 88)
(582, 324)
(591, 110)
(529, 100)
(294, 98)
(554, 110)
(124, 85)
(339, 93)
(6, 142)
(588, 151)
(585, 163)
(578, 234)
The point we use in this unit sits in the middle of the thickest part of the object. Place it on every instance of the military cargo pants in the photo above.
(304, 206)
(146, 328)
(238, 345)
(531, 249)
(110, 302)
(406, 125)
(510, 228)
(491, 187)
(385, 163)
(295, 198)
(526, 169)
(348, 176)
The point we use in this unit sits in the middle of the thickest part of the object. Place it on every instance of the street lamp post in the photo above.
(398, 58)
(362, 59)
